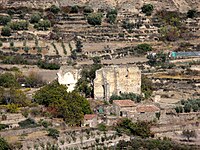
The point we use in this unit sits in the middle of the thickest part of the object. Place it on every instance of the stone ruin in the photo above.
(115, 80)
(68, 76)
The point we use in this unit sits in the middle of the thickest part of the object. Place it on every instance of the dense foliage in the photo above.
(28, 123)
(94, 18)
(146, 87)
(123, 96)
(188, 106)
(6, 31)
(152, 144)
(35, 18)
(70, 106)
(4, 20)
(46, 65)
(147, 9)
(143, 48)
(141, 129)
(8, 80)
(4, 144)
(85, 83)
(111, 16)
(191, 13)
(42, 25)
(18, 25)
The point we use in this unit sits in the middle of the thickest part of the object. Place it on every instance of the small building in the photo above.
(146, 112)
(122, 107)
(90, 120)
(68, 76)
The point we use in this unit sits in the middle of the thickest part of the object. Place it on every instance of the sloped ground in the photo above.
(123, 5)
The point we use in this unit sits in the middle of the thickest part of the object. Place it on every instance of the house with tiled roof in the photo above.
(146, 112)
(90, 120)
(122, 107)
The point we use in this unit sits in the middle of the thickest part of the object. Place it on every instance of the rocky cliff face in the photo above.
(122, 5)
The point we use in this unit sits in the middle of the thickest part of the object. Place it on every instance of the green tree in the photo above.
(35, 18)
(88, 9)
(111, 16)
(189, 134)
(8, 80)
(50, 93)
(179, 109)
(70, 106)
(143, 48)
(187, 107)
(74, 9)
(146, 87)
(195, 107)
(141, 129)
(147, 9)
(43, 25)
(6, 31)
(4, 144)
(96, 60)
(54, 9)
(94, 19)
(4, 20)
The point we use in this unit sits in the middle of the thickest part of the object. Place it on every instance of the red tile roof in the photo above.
(124, 103)
(89, 116)
(147, 108)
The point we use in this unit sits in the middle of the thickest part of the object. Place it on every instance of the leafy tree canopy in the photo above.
(95, 18)
(147, 9)
(4, 144)
(70, 106)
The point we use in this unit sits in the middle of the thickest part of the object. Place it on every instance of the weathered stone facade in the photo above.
(115, 80)
(68, 76)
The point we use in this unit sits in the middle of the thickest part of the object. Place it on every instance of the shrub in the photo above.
(43, 25)
(54, 9)
(12, 108)
(74, 9)
(46, 65)
(189, 133)
(1, 43)
(4, 20)
(11, 44)
(26, 49)
(88, 9)
(4, 144)
(187, 107)
(191, 13)
(19, 25)
(102, 127)
(147, 9)
(179, 109)
(35, 18)
(111, 16)
(54, 133)
(6, 31)
(143, 48)
(27, 123)
(94, 18)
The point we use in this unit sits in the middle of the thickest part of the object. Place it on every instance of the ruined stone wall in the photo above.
(68, 76)
(115, 80)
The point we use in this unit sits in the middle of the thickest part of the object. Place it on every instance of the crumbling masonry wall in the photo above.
(115, 80)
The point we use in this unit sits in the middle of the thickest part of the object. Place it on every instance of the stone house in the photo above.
(115, 80)
(90, 120)
(123, 107)
(146, 112)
